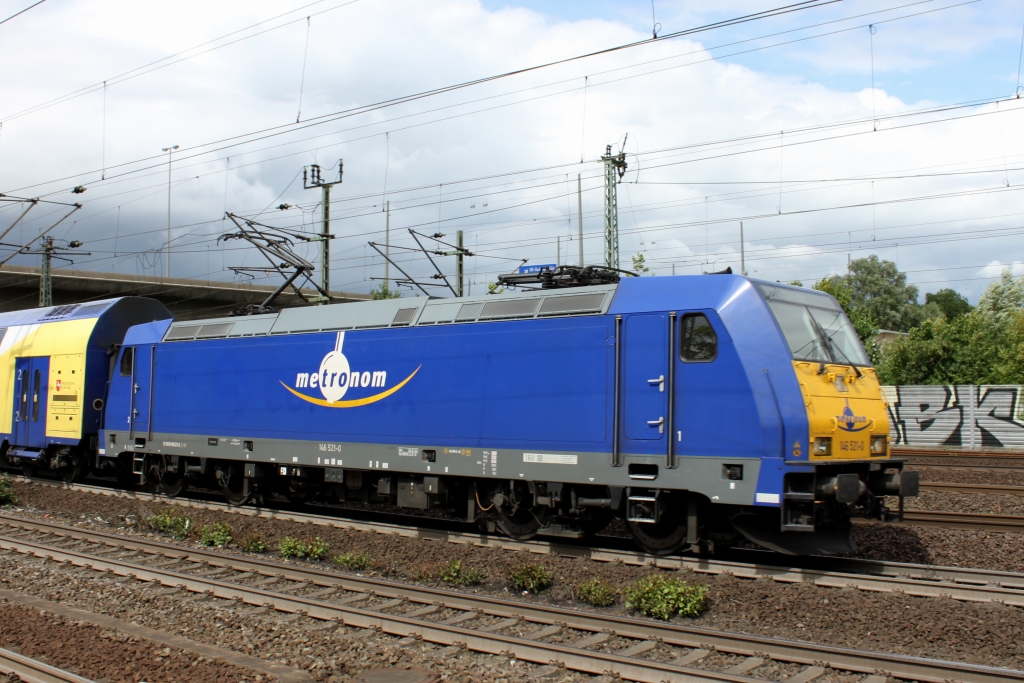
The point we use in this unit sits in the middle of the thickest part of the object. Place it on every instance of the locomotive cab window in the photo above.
(698, 342)
(126, 361)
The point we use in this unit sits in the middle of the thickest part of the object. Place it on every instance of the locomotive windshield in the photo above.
(815, 326)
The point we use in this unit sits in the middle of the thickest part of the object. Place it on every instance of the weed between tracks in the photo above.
(7, 494)
(458, 574)
(664, 597)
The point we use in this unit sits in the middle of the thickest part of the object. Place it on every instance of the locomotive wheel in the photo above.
(163, 479)
(73, 472)
(665, 536)
(231, 481)
(523, 523)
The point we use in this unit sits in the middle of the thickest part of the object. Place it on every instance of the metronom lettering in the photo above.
(304, 380)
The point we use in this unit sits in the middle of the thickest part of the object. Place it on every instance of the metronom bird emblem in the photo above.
(335, 378)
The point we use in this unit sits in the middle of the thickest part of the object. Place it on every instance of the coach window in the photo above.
(698, 342)
(126, 361)
(35, 397)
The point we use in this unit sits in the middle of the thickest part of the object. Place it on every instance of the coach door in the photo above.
(142, 390)
(644, 390)
(31, 378)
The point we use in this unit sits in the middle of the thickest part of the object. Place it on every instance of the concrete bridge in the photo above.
(187, 299)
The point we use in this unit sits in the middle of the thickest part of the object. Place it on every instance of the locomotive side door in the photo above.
(142, 390)
(31, 379)
(645, 382)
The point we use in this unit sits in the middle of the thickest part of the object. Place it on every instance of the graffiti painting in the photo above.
(957, 416)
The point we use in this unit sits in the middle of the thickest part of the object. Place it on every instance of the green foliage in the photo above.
(982, 346)
(880, 290)
(317, 548)
(218, 534)
(596, 592)
(254, 544)
(949, 301)
(7, 494)
(458, 574)
(291, 547)
(1001, 299)
(861, 320)
(172, 521)
(640, 265)
(796, 283)
(663, 597)
(530, 577)
(382, 291)
(355, 561)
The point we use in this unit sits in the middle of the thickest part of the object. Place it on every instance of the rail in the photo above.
(476, 622)
(33, 671)
(969, 585)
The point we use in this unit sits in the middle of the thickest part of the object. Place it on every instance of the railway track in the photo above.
(971, 585)
(988, 489)
(33, 671)
(635, 649)
(974, 521)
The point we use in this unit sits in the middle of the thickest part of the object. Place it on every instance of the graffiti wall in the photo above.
(984, 416)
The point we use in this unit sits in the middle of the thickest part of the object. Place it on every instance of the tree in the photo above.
(949, 301)
(880, 290)
(861, 319)
(639, 265)
(384, 292)
(982, 346)
(1002, 298)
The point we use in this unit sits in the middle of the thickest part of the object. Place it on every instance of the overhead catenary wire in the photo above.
(19, 13)
(156, 166)
(277, 130)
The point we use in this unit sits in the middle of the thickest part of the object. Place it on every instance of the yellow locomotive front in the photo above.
(849, 470)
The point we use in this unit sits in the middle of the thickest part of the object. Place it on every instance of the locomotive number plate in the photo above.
(853, 446)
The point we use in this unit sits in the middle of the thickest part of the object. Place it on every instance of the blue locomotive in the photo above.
(702, 410)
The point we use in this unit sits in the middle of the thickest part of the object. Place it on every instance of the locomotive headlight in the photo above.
(823, 445)
(878, 444)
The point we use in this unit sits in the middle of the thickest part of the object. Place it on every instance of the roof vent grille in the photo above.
(510, 308)
(215, 330)
(469, 312)
(60, 312)
(404, 316)
(573, 303)
(182, 332)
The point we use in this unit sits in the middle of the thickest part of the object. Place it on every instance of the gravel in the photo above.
(933, 627)
(97, 653)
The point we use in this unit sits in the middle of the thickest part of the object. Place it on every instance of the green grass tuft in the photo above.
(172, 521)
(254, 544)
(218, 534)
(596, 592)
(356, 561)
(7, 494)
(664, 597)
(458, 574)
(530, 577)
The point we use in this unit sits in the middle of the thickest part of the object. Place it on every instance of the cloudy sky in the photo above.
(837, 129)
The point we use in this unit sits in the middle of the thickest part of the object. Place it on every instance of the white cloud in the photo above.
(374, 50)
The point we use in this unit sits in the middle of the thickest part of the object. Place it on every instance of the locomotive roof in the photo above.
(30, 316)
(404, 312)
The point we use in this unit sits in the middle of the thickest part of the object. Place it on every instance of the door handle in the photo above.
(136, 389)
(660, 381)
(659, 423)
